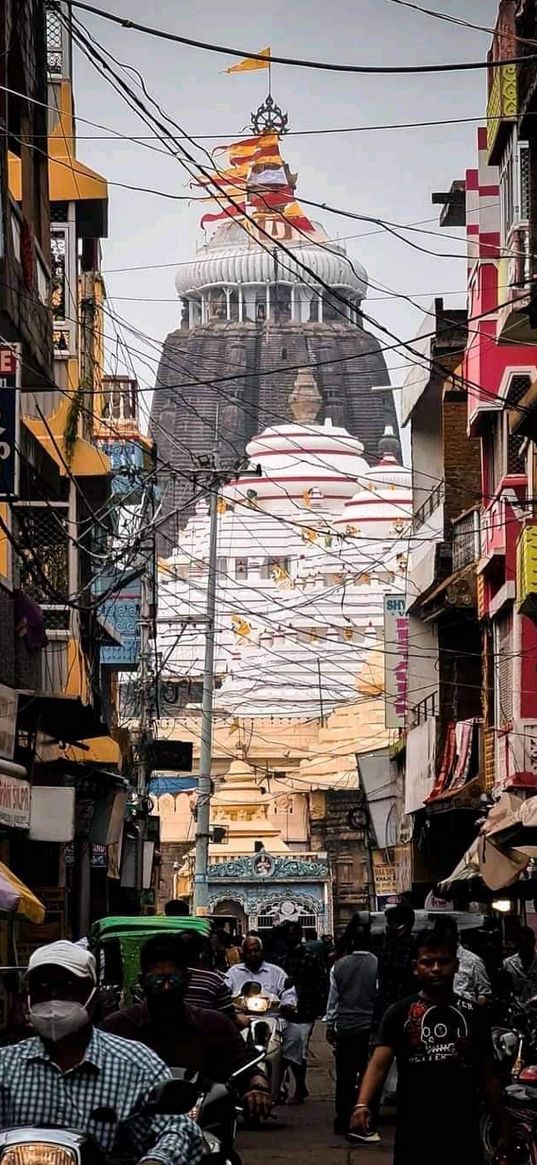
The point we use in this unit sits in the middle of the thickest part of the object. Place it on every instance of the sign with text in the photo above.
(384, 873)
(9, 420)
(395, 660)
(14, 802)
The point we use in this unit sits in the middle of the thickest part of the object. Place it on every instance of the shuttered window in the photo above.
(503, 668)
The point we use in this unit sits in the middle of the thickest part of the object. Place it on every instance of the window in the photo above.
(345, 873)
(44, 562)
(503, 448)
(241, 568)
(503, 669)
(514, 186)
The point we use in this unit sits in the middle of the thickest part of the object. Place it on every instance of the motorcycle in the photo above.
(257, 1012)
(513, 1045)
(215, 1108)
(520, 1101)
(47, 1145)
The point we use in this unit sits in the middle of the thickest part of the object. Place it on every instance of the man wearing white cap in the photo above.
(71, 1074)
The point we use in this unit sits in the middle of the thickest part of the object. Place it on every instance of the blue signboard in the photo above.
(122, 611)
(9, 421)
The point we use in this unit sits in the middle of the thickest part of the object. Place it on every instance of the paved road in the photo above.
(304, 1135)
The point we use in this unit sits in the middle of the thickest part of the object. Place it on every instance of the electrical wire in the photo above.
(296, 62)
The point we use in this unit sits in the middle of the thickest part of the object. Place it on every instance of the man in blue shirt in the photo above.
(75, 1076)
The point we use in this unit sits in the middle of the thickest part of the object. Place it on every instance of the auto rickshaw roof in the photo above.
(144, 926)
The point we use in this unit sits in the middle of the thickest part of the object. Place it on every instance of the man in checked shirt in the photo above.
(73, 1076)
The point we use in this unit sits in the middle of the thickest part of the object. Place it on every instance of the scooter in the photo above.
(257, 1013)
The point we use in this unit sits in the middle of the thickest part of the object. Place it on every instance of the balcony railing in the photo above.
(425, 710)
(526, 571)
(466, 539)
(428, 507)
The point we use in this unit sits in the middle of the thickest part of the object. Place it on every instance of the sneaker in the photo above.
(363, 1138)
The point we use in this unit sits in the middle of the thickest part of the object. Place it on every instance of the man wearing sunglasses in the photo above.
(184, 1036)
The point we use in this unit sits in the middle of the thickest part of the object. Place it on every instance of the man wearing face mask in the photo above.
(74, 1075)
(184, 1036)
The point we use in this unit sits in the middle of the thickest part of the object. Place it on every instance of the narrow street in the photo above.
(305, 1134)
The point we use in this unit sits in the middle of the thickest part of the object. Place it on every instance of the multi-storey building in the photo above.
(59, 524)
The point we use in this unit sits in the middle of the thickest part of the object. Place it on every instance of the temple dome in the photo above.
(231, 257)
(382, 505)
(302, 463)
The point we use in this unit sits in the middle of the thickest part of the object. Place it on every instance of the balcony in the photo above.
(502, 109)
(515, 277)
(425, 710)
(466, 544)
(526, 571)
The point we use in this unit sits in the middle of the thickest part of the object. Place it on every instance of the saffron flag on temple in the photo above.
(225, 212)
(295, 215)
(248, 64)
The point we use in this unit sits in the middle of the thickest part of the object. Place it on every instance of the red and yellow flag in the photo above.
(250, 63)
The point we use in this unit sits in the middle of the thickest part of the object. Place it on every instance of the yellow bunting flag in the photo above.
(251, 63)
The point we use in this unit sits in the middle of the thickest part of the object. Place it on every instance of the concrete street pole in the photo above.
(201, 880)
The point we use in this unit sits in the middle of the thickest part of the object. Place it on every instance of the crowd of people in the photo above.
(416, 1007)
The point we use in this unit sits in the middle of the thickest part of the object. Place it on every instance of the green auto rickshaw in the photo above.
(116, 943)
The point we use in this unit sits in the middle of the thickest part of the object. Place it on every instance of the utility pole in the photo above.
(218, 476)
(201, 881)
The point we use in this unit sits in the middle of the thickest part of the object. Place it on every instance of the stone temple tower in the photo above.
(268, 294)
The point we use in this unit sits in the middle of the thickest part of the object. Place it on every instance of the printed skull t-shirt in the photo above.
(440, 1050)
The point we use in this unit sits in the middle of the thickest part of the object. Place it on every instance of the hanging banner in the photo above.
(9, 420)
(385, 876)
(395, 660)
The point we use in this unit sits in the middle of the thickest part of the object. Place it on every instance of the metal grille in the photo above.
(59, 212)
(524, 181)
(44, 563)
(503, 652)
(519, 386)
(58, 286)
(54, 41)
(466, 540)
(489, 775)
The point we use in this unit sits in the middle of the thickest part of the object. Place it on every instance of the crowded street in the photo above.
(303, 1135)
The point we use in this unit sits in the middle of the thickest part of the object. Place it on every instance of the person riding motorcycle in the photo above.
(70, 1073)
(274, 981)
(183, 1036)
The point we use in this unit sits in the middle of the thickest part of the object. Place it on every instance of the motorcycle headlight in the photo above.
(258, 1004)
(38, 1153)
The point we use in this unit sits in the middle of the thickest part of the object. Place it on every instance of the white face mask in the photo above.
(58, 1018)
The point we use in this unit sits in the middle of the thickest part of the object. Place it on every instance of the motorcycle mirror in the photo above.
(174, 1097)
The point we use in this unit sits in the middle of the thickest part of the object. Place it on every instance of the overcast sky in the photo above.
(389, 174)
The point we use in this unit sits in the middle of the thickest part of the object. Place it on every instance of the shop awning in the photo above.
(504, 848)
(465, 870)
(64, 718)
(16, 900)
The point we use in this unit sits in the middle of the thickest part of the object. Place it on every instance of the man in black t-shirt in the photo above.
(443, 1050)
